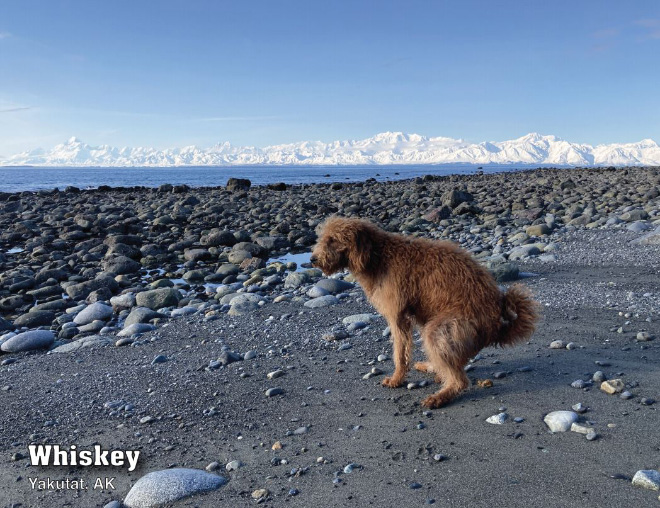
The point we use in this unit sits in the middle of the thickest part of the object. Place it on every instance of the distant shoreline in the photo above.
(40, 178)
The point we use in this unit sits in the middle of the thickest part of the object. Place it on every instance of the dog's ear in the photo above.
(360, 256)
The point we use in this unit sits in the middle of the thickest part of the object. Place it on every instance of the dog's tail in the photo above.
(519, 315)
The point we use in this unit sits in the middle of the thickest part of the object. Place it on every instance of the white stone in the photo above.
(647, 478)
(560, 421)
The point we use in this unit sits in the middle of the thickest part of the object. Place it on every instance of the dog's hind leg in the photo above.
(448, 345)
(402, 338)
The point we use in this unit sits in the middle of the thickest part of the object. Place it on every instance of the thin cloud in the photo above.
(652, 26)
(11, 110)
(4, 35)
(648, 22)
(232, 118)
(606, 33)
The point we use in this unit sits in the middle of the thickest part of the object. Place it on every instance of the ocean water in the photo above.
(17, 179)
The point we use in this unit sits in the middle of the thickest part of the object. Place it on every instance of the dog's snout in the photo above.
(313, 259)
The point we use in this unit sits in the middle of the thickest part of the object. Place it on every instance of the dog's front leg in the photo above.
(403, 343)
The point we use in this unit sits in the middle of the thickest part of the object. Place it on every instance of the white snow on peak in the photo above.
(383, 148)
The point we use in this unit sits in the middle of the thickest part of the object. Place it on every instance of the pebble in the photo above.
(136, 329)
(271, 392)
(580, 429)
(233, 465)
(351, 467)
(646, 401)
(275, 374)
(579, 408)
(626, 395)
(497, 419)
(557, 344)
(260, 494)
(612, 386)
(643, 336)
(647, 478)
(382, 358)
(159, 359)
(580, 383)
(163, 487)
(250, 355)
(560, 421)
(213, 466)
(598, 377)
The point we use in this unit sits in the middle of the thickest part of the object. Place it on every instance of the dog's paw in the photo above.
(434, 402)
(392, 382)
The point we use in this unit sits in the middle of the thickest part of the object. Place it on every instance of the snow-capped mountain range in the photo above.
(381, 149)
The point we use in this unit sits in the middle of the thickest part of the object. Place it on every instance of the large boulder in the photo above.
(158, 298)
(27, 341)
(121, 265)
(97, 311)
(455, 197)
(82, 290)
(34, 319)
(234, 184)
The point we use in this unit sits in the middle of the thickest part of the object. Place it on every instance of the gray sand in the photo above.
(204, 416)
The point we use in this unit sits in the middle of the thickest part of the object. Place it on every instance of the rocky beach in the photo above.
(180, 322)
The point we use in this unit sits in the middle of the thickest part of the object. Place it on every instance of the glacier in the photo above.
(387, 148)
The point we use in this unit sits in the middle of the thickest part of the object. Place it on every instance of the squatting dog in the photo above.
(434, 285)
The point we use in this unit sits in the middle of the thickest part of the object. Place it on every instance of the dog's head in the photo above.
(343, 243)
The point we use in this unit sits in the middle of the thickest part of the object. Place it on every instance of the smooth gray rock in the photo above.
(90, 342)
(121, 265)
(322, 301)
(96, 311)
(82, 290)
(35, 319)
(27, 341)
(295, 279)
(316, 292)
(334, 285)
(136, 328)
(355, 318)
(169, 485)
(242, 307)
(125, 301)
(141, 315)
(158, 298)
(652, 238)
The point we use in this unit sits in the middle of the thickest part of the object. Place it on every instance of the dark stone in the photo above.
(234, 184)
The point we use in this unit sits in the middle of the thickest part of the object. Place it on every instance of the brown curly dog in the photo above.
(435, 285)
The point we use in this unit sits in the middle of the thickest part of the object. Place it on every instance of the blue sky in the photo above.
(174, 73)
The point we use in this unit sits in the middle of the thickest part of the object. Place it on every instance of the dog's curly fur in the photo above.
(434, 285)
